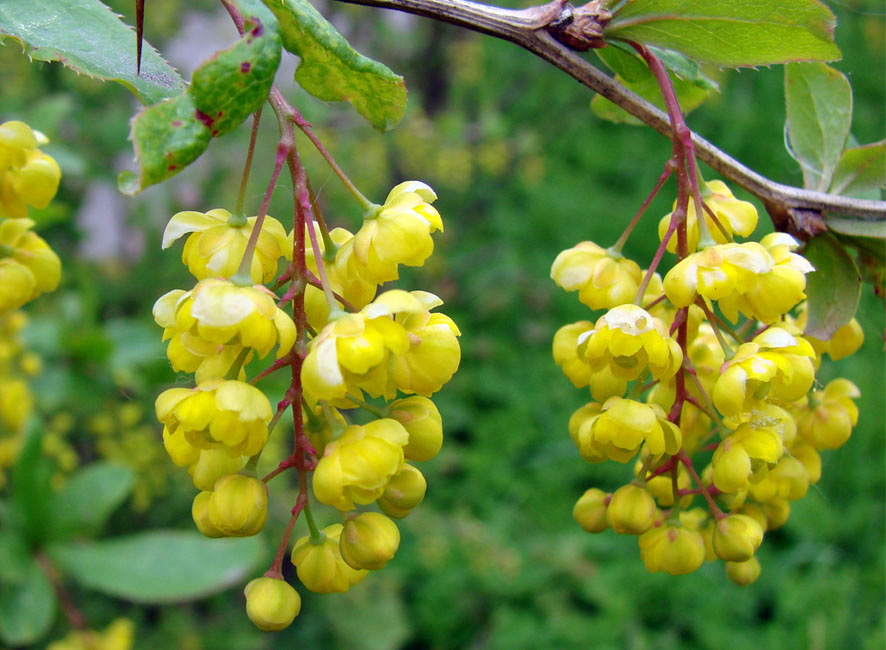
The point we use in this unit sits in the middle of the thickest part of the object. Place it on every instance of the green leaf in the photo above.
(731, 33)
(27, 607)
(225, 89)
(861, 171)
(857, 227)
(833, 289)
(333, 71)
(631, 71)
(14, 554)
(685, 68)
(819, 113)
(31, 492)
(87, 37)
(161, 566)
(88, 499)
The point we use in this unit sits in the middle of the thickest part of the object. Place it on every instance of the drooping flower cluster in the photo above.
(743, 392)
(357, 350)
(28, 268)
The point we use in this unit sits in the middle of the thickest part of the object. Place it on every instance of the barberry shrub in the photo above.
(701, 363)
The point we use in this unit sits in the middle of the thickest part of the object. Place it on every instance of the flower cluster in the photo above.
(674, 384)
(386, 354)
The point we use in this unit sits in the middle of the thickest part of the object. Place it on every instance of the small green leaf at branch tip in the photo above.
(88, 38)
(833, 289)
(730, 33)
(225, 90)
(331, 70)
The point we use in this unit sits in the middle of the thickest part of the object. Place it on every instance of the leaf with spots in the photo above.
(731, 33)
(333, 71)
(87, 37)
(225, 90)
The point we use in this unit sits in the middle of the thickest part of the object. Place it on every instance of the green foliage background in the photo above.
(492, 558)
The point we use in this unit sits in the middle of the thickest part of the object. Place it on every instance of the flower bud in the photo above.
(405, 491)
(590, 510)
(737, 537)
(631, 510)
(239, 505)
(422, 421)
(743, 573)
(271, 603)
(211, 466)
(369, 541)
(673, 549)
(200, 514)
(320, 565)
(777, 513)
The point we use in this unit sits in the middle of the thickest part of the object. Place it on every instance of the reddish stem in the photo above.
(668, 170)
(704, 491)
(276, 570)
(256, 118)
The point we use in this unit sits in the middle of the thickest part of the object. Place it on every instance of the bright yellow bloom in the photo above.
(827, 419)
(737, 537)
(622, 426)
(321, 567)
(403, 494)
(788, 480)
(27, 175)
(743, 573)
(603, 278)
(628, 340)
(673, 549)
(399, 232)
(775, 365)
(238, 506)
(217, 413)
(345, 276)
(590, 510)
(751, 449)
(28, 266)
(433, 355)
(369, 541)
(422, 421)
(211, 465)
(631, 510)
(215, 247)
(357, 466)
(565, 350)
(271, 603)
(221, 313)
(16, 404)
(200, 515)
(734, 216)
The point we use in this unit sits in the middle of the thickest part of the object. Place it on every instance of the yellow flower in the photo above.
(217, 413)
(631, 510)
(422, 421)
(603, 278)
(216, 245)
(672, 548)
(622, 427)
(433, 355)
(357, 466)
(16, 404)
(737, 537)
(220, 313)
(271, 603)
(399, 232)
(738, 456)
(119, 635)
(321, 567)
(369, 541)
(344, 274)
(566, 353)
(403, 494)
(27, 175)
(200, 515)
(743, 573)
(590, 510)
(775, 365)
(734, 216)
(238, 506)
(627, 340)
(28, 266)
(826, 421)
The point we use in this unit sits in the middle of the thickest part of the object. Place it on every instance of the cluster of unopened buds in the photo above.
(349, 348)
(28, 267)
(676, 386)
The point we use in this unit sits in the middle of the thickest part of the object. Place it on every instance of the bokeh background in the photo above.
(523, 169)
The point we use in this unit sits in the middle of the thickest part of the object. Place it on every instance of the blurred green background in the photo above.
(523, 169)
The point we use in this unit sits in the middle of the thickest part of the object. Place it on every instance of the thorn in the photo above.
(139, 34)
